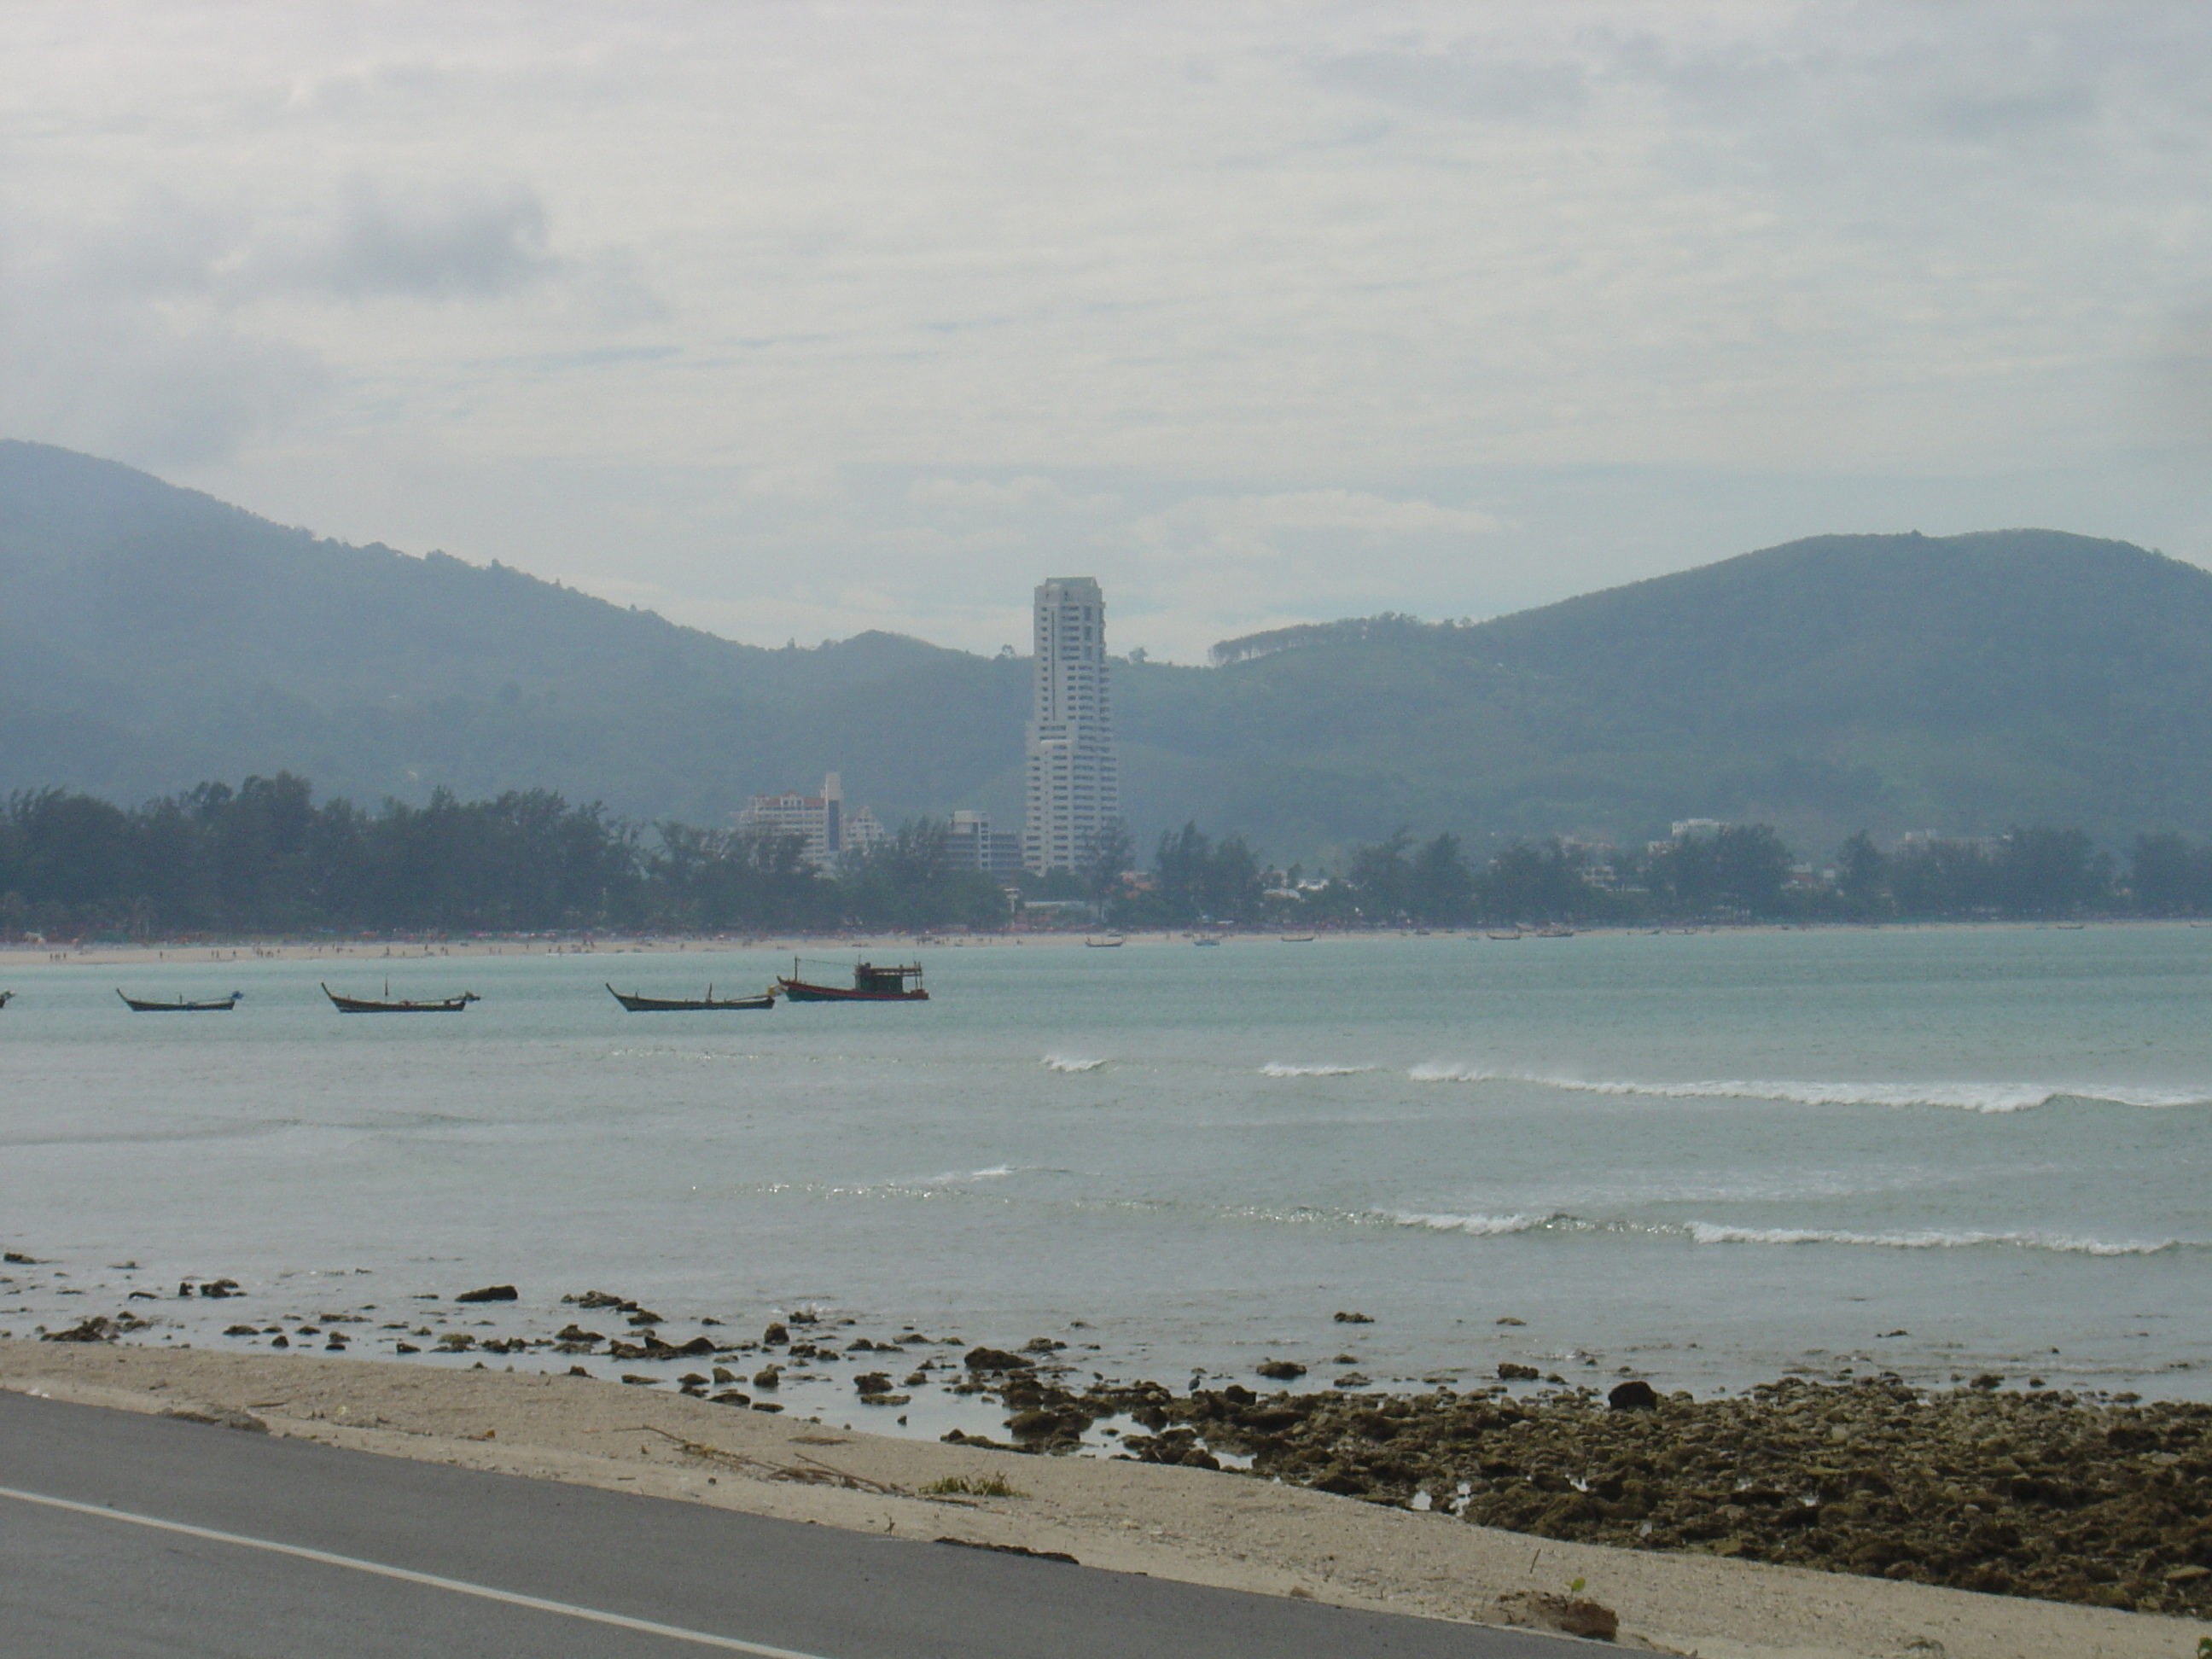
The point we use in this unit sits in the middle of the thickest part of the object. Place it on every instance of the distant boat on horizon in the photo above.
(638, 1004)
(219, 1004)
(870, 984)
(1111, 942)
(403, 1005)
(1297, 938)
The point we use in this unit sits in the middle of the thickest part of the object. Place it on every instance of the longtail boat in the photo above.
(219, 1005)
(870, 984)
(365, 1005)
(645, 1005)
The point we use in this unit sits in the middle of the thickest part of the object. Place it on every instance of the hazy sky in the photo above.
(797, 319)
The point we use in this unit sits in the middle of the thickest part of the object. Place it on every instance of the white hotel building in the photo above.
(1073, 792)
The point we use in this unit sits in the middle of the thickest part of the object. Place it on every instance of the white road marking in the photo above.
(459, 1587)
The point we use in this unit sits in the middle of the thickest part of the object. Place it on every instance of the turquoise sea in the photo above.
(1706, 1159)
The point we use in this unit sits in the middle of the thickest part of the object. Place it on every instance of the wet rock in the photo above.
(873, 1382)
(1042, 1345)
(1509, 1319)
(692, 1380)
(241, 1330)
(1510, 1372)
(1344, 1318)
(646, 1316)
(995, 1359)
(457, 1342)
(280, 1341)
(92, 1330)
(397, 1348)
(220, 1288)
(1567, 1615)
(775, 1336)
(575, 1332)
(724, 1375)
(1633, 1396)
(598, 1299)
(489, 1293)
(731, 1397)
(1281, 1371)
(19, 1258)
(222, 1417)
(641, 1381)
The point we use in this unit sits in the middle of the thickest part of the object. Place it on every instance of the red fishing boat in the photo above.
(870, 984)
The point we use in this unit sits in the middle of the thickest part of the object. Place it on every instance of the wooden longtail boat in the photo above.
(644, 1005)
(364, 1005)
(221, 1004)
(870, 984)
(1111, 942)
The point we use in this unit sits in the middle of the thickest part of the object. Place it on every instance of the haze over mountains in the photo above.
(151, 637)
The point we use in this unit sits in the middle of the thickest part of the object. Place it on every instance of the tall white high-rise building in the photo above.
(1073, 791)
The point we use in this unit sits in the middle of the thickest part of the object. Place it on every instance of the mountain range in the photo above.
(151, 637)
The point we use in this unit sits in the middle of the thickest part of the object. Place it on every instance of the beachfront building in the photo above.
(971, 844)
(821, 821)
(1073, 791)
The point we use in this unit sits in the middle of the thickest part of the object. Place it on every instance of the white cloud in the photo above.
(902, 305)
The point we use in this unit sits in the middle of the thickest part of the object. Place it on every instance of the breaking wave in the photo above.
(1284, 1068)
(1071, 1063)
(1987, 1097)
(1707, 1232)
(1481, 1226)
(1703, 1232)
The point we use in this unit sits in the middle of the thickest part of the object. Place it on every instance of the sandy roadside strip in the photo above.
(381, 954)
(1187, 1524)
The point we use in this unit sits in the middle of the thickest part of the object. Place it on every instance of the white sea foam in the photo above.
(1987, 1098)
(1071, 1063)
(1481, 1226)
(1285, 1068)
(1704, 1233)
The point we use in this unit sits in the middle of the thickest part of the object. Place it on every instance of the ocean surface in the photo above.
(1708, 1159)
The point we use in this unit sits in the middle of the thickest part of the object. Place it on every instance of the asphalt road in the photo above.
(124, 1534)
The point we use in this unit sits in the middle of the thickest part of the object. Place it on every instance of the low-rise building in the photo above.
(972, 845)
(830, 833)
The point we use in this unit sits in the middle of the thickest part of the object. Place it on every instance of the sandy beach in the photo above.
(22, 956)
(1190, 1524)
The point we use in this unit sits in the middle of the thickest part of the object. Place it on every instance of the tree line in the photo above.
(266, 858)
(1739, 872)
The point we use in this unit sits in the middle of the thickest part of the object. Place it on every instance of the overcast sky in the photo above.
(790, 320)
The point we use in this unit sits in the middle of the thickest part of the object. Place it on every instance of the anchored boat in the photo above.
(645, 1005)
(367, 1005)
(870, 984)
(219, 1005)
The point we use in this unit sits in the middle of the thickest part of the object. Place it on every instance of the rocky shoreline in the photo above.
(2104, 1501)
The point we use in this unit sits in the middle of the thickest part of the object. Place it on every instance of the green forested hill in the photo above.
(1963, 683)
(151, 637)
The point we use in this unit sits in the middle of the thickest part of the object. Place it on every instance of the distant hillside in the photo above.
(151, 637)
(1964, 683)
